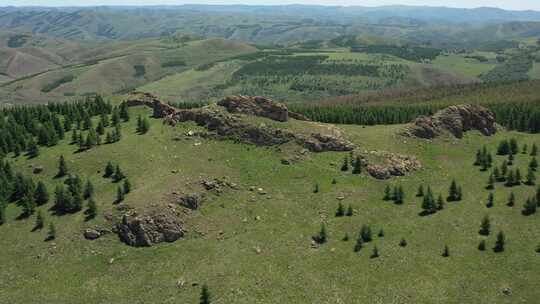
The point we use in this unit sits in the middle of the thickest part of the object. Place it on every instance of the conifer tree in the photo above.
(440, 202)
(316, 188)
(345, 237)
(119, 195)
(334, 181)
(420, 192)
(375, 253)
(340, 210)
(525, 148)
(504, 170)
(365, 234)
(529, 207)
(359, 244)
(491, 182)
(497, 174)
(510, 179)
(399, 195)
(118, 174)
(500, 242)
(453, 192)
(345, 165)
(124, 113)
(40, 221)
(534, 150)
(381, 233)
(357, 166)
(350, 211)
(127, 186)
(478, 161)
(109, 169)
(205, 295)
(33, 150)
(491, 199)
(517, 178)
(2, 211)
(403, 243)
(446, 251)
(482, 245)
(531, 178)
(511, 200)
(510, 159)
(504, 148)
(91, 212)
(28, 205)
(428, 203)
(100, 129)
(62, 167)
(41, 195)
(51, 234)
(514, 148)
(485, 226)
(387, 193)
(88, 189)
(533, 164)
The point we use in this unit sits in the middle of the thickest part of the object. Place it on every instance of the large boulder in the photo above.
(455, 120)
(146, 230)
(392, 165)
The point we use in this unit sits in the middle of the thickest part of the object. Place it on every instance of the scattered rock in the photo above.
(393, 165)
(37, 169)
(91, 234)
(507, 291)
(191, 201)
(455, 120)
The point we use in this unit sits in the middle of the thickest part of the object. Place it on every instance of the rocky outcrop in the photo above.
(146, 230)
(393, 165)
(258, 106)
(455, 120)
(223, 124)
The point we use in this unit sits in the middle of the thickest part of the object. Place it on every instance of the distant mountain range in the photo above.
(254, 24)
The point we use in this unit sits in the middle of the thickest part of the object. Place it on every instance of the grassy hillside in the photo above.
(257, 248)
(116, 67)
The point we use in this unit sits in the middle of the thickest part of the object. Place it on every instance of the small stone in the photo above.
(507, 291)
(340, 198)
(180, 283)
(257, 218)
(111, 261)
(91, 234)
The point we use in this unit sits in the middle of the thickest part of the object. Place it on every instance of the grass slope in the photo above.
(220, 248)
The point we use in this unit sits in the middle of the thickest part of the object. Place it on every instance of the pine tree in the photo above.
(496, 174)
(345, 237)
(375, 253)
(357, 166)
(525, 148)
(517, 178)
(531, 178)
(500, 242)
(399, 195)
(491, 182)
(446, 251)
(33, 150)
(340, 210)
(485, 226)
(334, 181)
(345, 165)
(119, 195)
(316, 188)
(118, 174)
(109, 169)
(387, 193)
(350, 211)
(420, 192)
(381, 233)
(510, 159)
(127, 186)
(28, 205)
(504, 148)
(529, 207)
(478, 161)
(428, 203)
(88, 190)
(365, 233)
(504, 170)
(359, 244)
(40, 221)
(51, 234)
(62, 167)
(41, 195)
(482, 245)
(403, 243)
(514, 148)
(490, 201)
(453, 192)
(440, 202)
(533, 164)
(205, 295)
(510, 179)
(534, 150)
(124, 113)
(2, 211)
(91, 212)
(511, 200)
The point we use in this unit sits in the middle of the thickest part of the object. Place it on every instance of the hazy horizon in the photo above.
(507, 5)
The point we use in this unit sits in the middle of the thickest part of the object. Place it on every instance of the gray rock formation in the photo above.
(455, 120)
(146, 230)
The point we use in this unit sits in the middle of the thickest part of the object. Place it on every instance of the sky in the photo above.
(505, 4)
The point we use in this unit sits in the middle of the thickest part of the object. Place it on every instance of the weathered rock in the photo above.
(191, 201)
(225, 125)
(393, 165)
(91, 234)
(257, 105)
(455, 120)
(37, 169)
(146, 230)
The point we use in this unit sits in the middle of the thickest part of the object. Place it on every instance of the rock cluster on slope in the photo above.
(455, 120)
(223, 122)
(145, 230)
